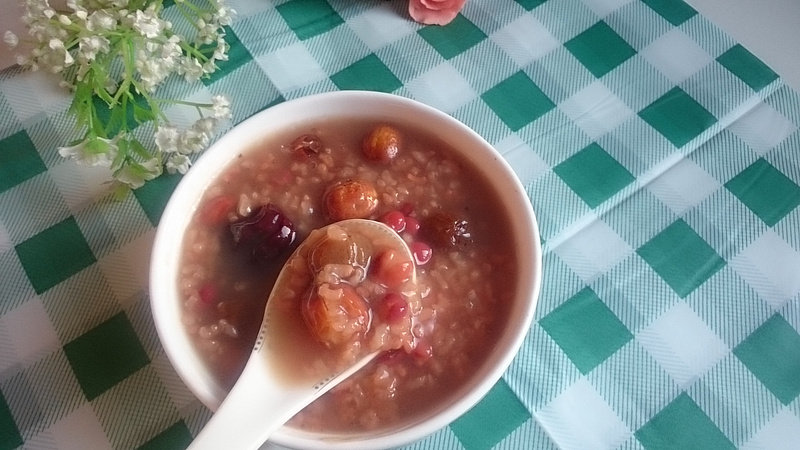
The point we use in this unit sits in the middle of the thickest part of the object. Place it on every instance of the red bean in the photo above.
(393, 308)
(412, 225)
(395, 220)
(208, 294)
(422, 252)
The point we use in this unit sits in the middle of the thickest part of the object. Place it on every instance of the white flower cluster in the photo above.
(111, 50)
(180, 144)
(158, 51)
(159, 58)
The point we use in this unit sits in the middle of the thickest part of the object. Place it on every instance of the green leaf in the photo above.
(142, 114)
(116, 120)
(122, 154)
(123, 115)
(104, 95)
(80, 107)
(120, 191)
(96, 123)
(140, 150)
(130, 62)
(97, 146)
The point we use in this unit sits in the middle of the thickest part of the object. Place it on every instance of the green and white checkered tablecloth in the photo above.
(662, 160)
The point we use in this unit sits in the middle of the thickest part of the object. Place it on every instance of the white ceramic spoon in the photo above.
(261, 401)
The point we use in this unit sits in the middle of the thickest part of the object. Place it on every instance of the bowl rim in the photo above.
(216, 158)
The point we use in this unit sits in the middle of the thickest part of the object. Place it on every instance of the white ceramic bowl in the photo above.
(165, 257)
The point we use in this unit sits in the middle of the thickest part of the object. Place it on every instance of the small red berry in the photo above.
(208, 294)
(422, 252)
(412, 225)
(393, 308)
(395, 220)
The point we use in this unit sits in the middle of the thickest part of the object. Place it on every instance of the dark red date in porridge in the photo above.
(273, 196)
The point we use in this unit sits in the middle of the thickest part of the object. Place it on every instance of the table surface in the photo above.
(660, 157)
(768, 29)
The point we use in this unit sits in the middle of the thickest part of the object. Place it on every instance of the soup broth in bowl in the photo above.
(294, 168)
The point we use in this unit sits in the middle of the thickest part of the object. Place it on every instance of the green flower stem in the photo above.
(180, 6)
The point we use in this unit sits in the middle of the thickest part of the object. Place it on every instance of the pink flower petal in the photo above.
(434, 12)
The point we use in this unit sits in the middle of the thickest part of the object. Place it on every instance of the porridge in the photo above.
(276, 194)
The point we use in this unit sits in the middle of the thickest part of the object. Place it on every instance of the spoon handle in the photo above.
(254, 408)
(258, 405)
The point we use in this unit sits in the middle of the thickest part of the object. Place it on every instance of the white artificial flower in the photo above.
(134, 175)
(171, 50)
(206, 31)
(10, 39)
(166, 137)
(191, 69)
(101, 152)
(152, 46)
(178, 163)
(56, 44)
(192, 141)
(221, 51)
(209, 66)
(147, 23)
(225, 14)
(152, 71)
(221, 107)
(205, 125)
(90, 46)
(152, 165)
(59, 57)
(100, 20)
